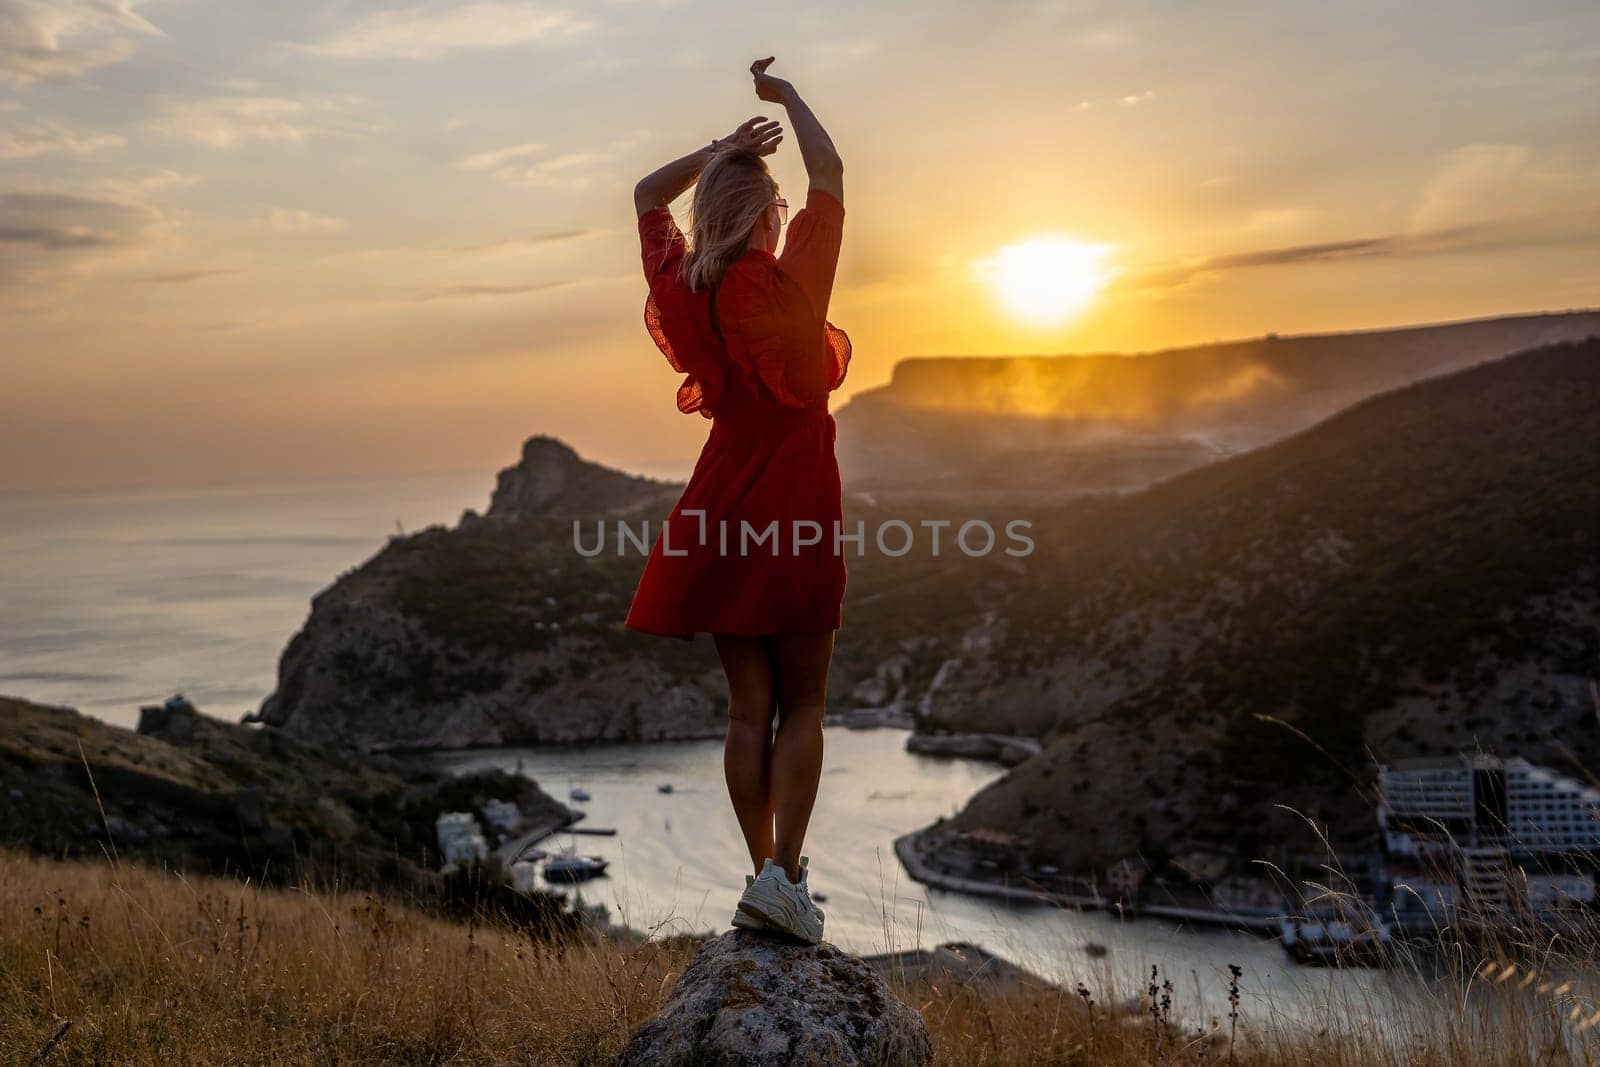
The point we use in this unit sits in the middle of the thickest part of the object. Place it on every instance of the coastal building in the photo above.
(460, 839)
(984, 850)
(524, 876)
(1483, 835)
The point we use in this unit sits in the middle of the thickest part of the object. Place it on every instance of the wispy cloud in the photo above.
(47, 235)
(433, 30)
(294, 220)
(498, 157)
(57, 221)
(514, 244)
(48, 138)
(1479, 182)
(1127, 100)
(55, 40)
(488, 290)
(134, 187)
(228, 121)
(1480, 236)
(519, 165)
(185, 277)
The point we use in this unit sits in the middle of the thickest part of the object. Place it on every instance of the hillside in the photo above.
(1096, 421)
(202, 795)
(498, 631)
(1419, 574)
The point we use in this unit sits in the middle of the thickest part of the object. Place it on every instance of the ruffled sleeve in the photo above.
(669, 311)
(811, 248)
(661, 243)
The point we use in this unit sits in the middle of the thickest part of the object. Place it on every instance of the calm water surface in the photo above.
(114, 599)
(678, 864)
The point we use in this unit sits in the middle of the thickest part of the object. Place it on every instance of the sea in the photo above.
(114, 599)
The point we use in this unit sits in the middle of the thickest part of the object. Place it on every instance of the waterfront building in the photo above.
(460, 839)
(1486, 834)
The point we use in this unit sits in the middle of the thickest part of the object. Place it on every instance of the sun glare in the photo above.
(1047, 280)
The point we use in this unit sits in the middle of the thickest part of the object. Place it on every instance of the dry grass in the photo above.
(149, 967)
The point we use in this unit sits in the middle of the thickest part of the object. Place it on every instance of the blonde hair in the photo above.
(733, 191)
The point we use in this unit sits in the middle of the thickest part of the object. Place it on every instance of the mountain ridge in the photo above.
(1420, 571)
(1030, 421)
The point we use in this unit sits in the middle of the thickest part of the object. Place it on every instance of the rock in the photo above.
(552, 479)
(871, 692)
(750, 998)
(884, 684)
(999, 748)
(174, 720)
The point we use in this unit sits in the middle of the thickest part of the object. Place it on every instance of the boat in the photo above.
(665, 787)
(571, 867)
(1336, 941)
(580, 795)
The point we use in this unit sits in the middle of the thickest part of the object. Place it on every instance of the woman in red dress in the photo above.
(751, 552)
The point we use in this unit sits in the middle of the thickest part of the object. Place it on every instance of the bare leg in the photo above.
(801, 661)
(747, 753)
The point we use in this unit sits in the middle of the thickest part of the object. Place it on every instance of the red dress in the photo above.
(769, 458)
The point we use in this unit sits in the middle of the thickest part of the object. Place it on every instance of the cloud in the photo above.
(47, 235)
(60, 40)
(294, 220)
(47, 137)
(228, 121)
(1130, 100)
(573, 170)
(514, 244)
(567, 170)
(1480, 182)
(63, 220)
(1482, 197)
(185, 277)
(478, 252)
(1398, 244)
(133, 187)
(433, 30)
(497, 157)
(459, 291)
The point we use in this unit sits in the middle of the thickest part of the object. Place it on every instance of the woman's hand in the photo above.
(773, 90)
(754, 135)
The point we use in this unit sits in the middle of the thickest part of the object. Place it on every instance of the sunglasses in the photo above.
(783, 210)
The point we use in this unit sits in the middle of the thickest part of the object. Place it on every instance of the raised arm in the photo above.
(667, 182)
(823, 166)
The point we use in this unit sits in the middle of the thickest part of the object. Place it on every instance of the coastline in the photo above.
(908, 849)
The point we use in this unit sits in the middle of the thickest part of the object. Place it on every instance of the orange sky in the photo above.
(290, 241)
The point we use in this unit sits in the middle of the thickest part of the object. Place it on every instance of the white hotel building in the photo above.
(1487, 833)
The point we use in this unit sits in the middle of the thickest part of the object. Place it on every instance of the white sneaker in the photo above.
(805, 887)
(742, 919)
(782, 904)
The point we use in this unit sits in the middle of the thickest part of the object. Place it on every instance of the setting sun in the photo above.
(1047, 280)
